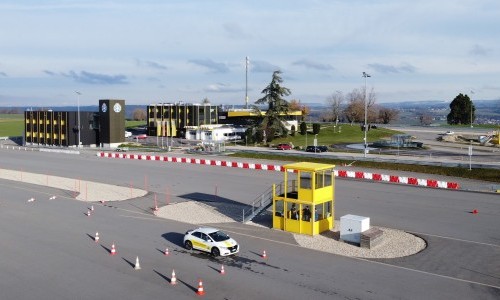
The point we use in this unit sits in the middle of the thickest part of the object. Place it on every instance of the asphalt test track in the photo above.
(48, 252)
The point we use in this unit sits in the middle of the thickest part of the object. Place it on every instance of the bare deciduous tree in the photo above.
(295, 105)
(355, 110)
(334, 103)
(139, 114)
(424, 118)
(387, 115)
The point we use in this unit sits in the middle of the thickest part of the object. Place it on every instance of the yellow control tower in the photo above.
(304, 202)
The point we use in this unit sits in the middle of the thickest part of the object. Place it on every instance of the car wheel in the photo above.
(188, 245)
(215, 252)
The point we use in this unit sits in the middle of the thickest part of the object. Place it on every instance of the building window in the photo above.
(278, 206)
(305, 180)
(323, 179)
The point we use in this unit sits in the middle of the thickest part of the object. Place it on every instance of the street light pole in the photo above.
(365, 75)
(78, 115)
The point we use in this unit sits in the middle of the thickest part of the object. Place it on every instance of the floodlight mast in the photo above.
(365, 75)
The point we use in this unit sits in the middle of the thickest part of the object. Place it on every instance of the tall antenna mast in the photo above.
(246, 82)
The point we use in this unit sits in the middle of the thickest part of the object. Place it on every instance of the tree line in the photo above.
(10, 111)
(347, 108)
(350, 108)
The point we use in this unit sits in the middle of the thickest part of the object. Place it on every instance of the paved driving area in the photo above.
(397, 243)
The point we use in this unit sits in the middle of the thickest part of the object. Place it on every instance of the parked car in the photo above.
(141, 136)
(284, 147)
(316, 149)
(210, 240)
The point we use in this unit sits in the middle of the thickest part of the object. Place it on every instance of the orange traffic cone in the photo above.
(173, 280)
(113, 250)
(264, 255)
(200, 291)
(222, 271)
(96, 238)
(166, 252)
(474, 211)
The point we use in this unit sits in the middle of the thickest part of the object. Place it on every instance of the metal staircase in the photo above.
(263, 201)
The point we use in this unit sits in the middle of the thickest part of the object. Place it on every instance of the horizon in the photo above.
(316, 104)
(156, 51)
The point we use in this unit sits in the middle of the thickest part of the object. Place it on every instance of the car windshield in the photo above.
(219, 236)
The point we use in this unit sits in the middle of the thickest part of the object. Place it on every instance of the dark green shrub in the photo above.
(316, 128)
(303, 128)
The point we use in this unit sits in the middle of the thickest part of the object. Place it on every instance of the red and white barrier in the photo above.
(257, 166)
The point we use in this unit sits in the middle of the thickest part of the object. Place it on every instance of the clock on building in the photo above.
(117, 108)
(104, 107)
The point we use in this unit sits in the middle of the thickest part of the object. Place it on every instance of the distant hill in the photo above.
(439, 104)
(487, 111)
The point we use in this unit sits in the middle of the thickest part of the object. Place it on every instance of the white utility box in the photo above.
(352, 226)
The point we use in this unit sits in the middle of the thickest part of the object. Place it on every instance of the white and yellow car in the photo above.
(210, 240)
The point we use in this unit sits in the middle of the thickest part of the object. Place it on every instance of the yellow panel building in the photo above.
(304, 202)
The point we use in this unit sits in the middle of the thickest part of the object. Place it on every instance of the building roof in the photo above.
(308, 166)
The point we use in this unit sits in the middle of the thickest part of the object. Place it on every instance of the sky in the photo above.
(154, 51)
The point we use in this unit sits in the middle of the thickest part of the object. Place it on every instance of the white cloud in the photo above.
(216, 67)
(313, 65)
(222, 88)
(320, 45)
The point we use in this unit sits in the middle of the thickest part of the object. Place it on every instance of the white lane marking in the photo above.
(428, 273)
(152, 218)
(377, 262)
(452, 238)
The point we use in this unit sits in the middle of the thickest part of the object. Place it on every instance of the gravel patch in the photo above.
(83, 190)
(192, 212)
(396, 243)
